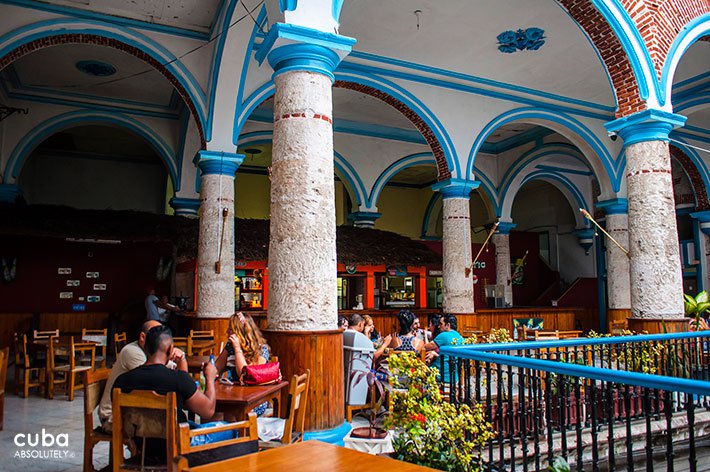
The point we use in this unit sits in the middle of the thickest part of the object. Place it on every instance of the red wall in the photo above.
(485, 274)
(127, 269)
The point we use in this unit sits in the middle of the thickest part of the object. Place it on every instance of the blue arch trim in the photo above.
(566, 183)
(414, 104)
(49, 28)
(346, 171)
(692, 102)
(427, 215)
(42, 131)
(620, 22)
(688, 35)
(551, 149)
(613, 168)
(267, 90)
(490, 189)
(216, 63)
(393, 169)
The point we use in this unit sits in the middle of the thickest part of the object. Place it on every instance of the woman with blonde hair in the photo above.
(245, 346)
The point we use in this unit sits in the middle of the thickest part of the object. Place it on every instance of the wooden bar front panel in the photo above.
(322, 353)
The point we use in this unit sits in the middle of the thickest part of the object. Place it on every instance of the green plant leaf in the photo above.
(702, 307)
(702, 297)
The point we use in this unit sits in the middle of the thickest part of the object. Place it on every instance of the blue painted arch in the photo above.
(531, 157)
(61, 27)
(267, 89)
(345, 170)
(393, 169)
(87, 117)
(563, 184)
(690, 33)
(608, 171)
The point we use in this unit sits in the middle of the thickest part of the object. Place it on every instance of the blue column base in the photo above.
(331, 436)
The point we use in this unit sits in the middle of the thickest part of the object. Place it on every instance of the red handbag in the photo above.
(261, 374)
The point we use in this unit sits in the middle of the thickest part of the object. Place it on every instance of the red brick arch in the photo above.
(701, 193)
(50, 41)
(658, 21)
(442, 167)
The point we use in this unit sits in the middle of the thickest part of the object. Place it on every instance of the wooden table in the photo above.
(203, 346)
(239, 400)
(315, 456)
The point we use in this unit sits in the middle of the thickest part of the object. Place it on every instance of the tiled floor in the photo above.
(36, 414)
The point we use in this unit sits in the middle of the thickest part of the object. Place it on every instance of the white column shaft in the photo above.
(302, 257)
(458, 286)
(503, 275)
(215, 291)
(617, 262)
(656, 278)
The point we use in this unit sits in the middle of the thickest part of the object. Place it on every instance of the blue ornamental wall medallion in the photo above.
(96, 68)
(530, 39)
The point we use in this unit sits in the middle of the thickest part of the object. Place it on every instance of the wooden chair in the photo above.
(546, 335)
(140, 401)
(183, 343)
(196, 457)
(24, 363)
(94, 385)
(618, 327)
(70, 371)
(100, 338)
(4, 356)
(45, 334)
(119, 341)
(202, 342)
(569, 334)
(294, 423)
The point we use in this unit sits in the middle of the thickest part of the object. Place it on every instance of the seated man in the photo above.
(447, 336)
(154, 375)
(130, 357)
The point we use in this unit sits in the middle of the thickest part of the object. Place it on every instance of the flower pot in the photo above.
(381, 445)
(366, 432)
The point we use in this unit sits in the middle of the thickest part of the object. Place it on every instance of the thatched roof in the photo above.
(354, 245)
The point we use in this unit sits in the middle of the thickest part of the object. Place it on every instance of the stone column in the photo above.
(617, 262)
(456, 245)
(655, 267)
(215, 251)
(188, 207)
(303, 309)
(364, 219)
(501, 240)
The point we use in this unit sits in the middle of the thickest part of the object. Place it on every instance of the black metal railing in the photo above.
(636, 402)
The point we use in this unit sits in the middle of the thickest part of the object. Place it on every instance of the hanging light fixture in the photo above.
(252, 152)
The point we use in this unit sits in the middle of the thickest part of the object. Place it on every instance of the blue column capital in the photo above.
(505, 227)
(185, 206)
(614, 206)
(647, 125)
(455, 188)
(291, 47)
(703, 218)
(9, 193)
(222, 163)
(586, 238)
(364, 218)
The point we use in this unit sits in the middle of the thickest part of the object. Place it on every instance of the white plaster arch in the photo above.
(38, 132)
(609, 171)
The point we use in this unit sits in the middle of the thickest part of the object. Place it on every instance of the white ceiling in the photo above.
(460, 36)
(53, 72)
(355, 106)
(195, 15)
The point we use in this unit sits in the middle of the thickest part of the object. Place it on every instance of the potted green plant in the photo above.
(695, 307)
(378, 383)
(428, 430)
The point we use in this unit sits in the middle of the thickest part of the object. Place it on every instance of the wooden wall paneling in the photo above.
(11, 323)
(322, 353)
